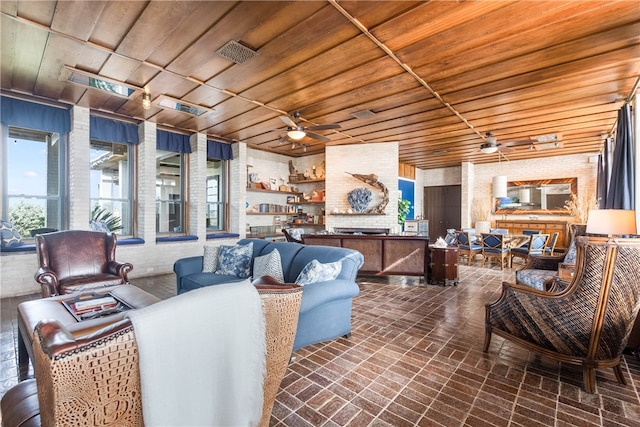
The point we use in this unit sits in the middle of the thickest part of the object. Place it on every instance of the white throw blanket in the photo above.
(202, 357)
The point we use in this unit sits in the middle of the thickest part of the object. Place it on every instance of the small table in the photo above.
(444, 265)
(32, 312)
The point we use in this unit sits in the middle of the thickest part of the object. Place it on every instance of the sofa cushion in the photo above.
(9, 236)
(269, 265)
(315, 271)
(200, 280)
(210, 259)
(235, 260)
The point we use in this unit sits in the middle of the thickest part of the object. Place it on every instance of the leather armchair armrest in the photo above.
(48, 281)
(120, 269)
(55, 339)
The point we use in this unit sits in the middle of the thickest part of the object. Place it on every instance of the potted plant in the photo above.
(404, 206)
(480, 215)
(579, 206)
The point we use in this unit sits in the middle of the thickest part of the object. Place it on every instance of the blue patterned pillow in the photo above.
(9, 236)
(315, 271)
(269, 265)
(99, 226)
(235, 260)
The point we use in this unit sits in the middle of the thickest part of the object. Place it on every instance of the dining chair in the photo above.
(530, 232)
(494, 246)
(498, 231)
(466, 246)
(535, 246)
(551, 244)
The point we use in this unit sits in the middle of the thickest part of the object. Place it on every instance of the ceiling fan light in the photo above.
(488, 149)
(296, 134)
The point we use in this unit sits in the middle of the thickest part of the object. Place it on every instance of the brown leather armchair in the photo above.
(78, 261)
(94, 379)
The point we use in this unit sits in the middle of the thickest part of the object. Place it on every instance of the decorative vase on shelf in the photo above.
(359, 199)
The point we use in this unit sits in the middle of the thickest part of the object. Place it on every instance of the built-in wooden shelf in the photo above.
(307, 181)
(262, 190)
(271, 213)
(307, 202)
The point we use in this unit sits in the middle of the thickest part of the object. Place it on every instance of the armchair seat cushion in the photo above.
(75, 284)
(537, 279)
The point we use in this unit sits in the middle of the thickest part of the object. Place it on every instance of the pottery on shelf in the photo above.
(359, 199)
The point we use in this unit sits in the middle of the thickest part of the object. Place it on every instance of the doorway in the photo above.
(442, 206)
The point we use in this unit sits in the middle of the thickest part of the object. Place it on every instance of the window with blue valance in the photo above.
(219, 150)
(113, 130)
(31, 115)
(176, 142)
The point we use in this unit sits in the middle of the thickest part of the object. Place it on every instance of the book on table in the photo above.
(89, 306)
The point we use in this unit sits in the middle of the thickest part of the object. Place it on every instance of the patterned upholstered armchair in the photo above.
(95, 379)
(540, 270)
(589, 322)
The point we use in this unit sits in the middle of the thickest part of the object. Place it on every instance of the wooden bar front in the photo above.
(383, 254)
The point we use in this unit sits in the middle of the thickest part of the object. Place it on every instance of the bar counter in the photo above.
(383, 254)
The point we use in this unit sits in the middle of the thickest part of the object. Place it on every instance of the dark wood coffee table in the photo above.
(31, 312)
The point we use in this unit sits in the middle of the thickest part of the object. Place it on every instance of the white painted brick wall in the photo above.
(79, 172)
(379, 158)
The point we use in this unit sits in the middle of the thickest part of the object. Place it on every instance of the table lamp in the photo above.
(611, 222)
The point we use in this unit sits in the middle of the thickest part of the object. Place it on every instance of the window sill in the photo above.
(175, 239)
(222, 236)
(26, 248)
(130, 241)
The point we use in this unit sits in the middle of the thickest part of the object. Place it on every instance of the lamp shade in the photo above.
(611, 222)
(499, 186)
(525, 195)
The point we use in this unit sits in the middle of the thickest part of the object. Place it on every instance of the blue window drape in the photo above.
(31, 115)
(219, 150)
(110, 130)
(621, 191)
(175, 142)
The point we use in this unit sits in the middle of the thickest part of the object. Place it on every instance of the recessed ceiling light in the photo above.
(94, 81)
(182, 106)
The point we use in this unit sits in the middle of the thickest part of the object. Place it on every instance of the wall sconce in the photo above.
(146, 100)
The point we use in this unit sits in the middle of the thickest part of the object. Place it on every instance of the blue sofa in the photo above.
(325, 312)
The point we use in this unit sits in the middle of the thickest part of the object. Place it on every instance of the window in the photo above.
(216, 191)
(33, 176)
(169, 192)
(112, 171)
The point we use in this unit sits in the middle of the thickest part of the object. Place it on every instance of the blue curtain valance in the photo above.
(175, 142)
(113, 130)
(31, 115)
(219, 150)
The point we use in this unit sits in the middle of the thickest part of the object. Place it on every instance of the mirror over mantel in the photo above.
(537, 197)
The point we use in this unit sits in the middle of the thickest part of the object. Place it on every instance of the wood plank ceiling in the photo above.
(436, 75)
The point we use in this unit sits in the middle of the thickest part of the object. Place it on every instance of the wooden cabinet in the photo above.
(383, 255)
(545, 227)
(444, 265)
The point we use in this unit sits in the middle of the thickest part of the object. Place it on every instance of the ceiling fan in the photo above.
(295, 131)
(541, 142)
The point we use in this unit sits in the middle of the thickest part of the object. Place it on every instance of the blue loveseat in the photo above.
(325, 312)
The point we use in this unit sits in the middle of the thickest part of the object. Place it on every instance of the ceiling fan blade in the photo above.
(287, 121)
(283, 139)
(318, 137)
(325, 127)
(517, 143)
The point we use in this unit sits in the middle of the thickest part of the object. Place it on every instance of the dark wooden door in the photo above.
(442, 208)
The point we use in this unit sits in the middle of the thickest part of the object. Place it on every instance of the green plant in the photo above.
(112, 221)
(404, 206)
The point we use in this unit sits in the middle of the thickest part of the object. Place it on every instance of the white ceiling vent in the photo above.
(236, 52)
(363, 114)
